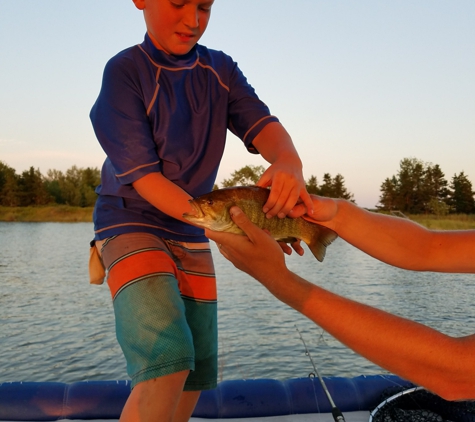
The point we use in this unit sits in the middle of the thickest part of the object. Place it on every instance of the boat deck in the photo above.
(361, 416)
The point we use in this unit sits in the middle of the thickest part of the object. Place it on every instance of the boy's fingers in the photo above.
(307, 200)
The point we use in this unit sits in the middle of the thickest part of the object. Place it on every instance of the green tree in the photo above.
(326, 189)
(334, 187)
(417, 188)
(461, 199)
(434, 190)
(246, 176)
(410, 184)
(32, 190)
(90, 179)
(389, 194)
(422, 188)
(54, 182)
(339, 189)
(312, 186)
(71, 188)
(8, 186)
(437, 207)
(76, 187)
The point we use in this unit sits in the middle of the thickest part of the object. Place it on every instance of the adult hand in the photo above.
(324, 211)
(257, 253)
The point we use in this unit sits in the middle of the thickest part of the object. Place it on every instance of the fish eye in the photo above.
(210, 202)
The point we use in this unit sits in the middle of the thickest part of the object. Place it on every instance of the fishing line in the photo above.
(337, 415)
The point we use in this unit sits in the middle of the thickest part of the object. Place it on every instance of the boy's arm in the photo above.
(164, 195)
(425, 356)
(285, 173)
(397, 241)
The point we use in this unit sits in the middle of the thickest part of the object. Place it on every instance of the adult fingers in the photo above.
(243, 222)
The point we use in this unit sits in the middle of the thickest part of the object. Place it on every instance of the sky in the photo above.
(359, 85)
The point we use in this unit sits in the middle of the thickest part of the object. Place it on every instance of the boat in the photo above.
(296, 399)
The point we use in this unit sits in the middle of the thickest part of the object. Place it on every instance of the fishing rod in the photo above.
(337, 415)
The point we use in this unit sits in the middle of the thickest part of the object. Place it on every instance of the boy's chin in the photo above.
(182, 50)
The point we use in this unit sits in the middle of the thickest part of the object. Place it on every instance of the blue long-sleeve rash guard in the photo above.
(162, 113)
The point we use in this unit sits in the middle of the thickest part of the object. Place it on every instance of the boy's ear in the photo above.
(139, 4)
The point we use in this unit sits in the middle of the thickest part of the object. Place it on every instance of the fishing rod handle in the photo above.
(337, 415)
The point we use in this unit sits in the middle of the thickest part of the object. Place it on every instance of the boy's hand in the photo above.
(287, 187)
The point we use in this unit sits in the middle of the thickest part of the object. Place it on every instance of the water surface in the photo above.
(57, 327)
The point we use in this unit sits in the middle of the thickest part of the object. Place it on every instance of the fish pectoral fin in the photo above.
(230, 227)
(286, 239)
(318, 245)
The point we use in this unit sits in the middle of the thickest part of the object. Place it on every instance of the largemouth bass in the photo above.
(212, 212)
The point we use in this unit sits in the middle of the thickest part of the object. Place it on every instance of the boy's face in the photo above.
(175, 26)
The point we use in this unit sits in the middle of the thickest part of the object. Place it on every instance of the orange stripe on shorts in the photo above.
(138, 265)
(144, 263)
(197, 286)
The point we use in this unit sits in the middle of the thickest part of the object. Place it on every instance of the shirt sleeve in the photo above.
(120, 121)
(247, 113)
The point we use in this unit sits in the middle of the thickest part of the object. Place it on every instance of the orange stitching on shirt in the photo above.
(136, 168)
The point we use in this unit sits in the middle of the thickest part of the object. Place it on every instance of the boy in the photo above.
(161, 117)
(418, 353)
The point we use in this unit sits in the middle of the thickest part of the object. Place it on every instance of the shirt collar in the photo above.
(168, 60)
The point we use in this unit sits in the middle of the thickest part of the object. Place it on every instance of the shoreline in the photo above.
(47, 214)
(69, 214)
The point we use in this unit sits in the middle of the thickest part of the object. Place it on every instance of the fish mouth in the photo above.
(198, 213)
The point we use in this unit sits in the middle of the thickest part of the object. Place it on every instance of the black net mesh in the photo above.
(419, 405)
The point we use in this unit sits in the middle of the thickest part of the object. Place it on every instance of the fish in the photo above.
(212, 212)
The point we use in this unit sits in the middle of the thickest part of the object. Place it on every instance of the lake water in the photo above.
(57, 327)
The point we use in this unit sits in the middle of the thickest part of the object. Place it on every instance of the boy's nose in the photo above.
(191, 17)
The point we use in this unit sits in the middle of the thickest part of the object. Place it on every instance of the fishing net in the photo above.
(419, 405)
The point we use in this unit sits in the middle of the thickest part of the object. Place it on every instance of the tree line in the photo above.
(421, 188)
(417, 188)
(332, 187)
(74, 187)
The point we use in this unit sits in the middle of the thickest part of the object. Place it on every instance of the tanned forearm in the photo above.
(164, 195)
(274, 143)
(443, 364)
(403, 243)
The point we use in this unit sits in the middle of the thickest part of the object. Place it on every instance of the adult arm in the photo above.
(441, 363)
(397, 241)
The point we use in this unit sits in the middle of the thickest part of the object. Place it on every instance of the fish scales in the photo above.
(212, 212)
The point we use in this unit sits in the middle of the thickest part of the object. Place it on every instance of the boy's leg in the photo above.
(186, 405)
(160, 399)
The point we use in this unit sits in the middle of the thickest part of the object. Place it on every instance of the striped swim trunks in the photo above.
(165, 305)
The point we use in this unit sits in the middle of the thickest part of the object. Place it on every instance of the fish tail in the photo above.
(318, 244)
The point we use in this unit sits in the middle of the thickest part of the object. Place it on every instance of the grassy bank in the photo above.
(56, 213)
(66, 214)
(448, 222)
